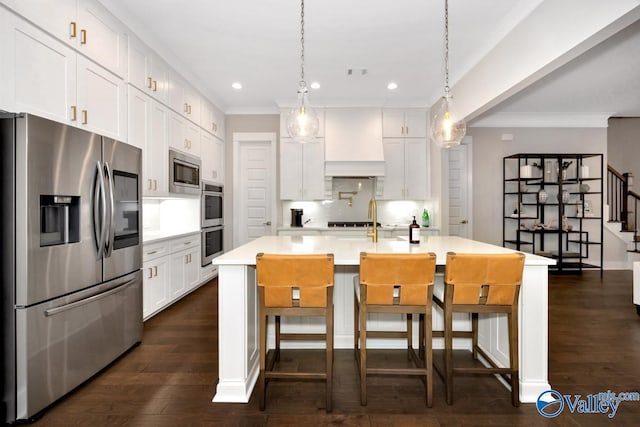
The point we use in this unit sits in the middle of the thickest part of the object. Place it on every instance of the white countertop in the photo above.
(391, 227)
(346, 251)
(155, 236)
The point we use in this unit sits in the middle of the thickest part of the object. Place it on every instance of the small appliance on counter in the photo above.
(296, 217)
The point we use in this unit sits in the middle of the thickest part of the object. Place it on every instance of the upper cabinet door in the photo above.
(101, 100)
(82, 24)
(39, 73)
(404, 123)
(393, 123)
(415, 123)
(139, 65)
(57, 19)
(102, 37)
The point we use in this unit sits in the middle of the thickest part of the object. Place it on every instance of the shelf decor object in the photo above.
(558, 208)
(302, 122)
(447, 127)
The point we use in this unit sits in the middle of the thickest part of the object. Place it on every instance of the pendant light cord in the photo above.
(446, 48)
(303, 84)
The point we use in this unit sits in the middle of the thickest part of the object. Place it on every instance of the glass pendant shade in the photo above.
(303, 123)
(447, 127)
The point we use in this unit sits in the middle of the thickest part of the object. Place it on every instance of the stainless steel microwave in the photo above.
(184, 173)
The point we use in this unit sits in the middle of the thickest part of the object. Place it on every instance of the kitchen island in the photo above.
(238, 319)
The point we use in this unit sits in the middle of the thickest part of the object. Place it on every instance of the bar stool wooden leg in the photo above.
(329, 362)
(448, 354)
(409, 335)
(363, 355)
(263, 356)
(428, 356)
(277, 351)
(513, 357)
(474, 328)
(356, 329)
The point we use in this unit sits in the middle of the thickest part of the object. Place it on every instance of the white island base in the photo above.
(238, 320)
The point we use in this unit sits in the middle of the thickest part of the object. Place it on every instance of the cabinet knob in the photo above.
(72, 29)
(74, 113)
(155, 85)
(464, 221)
(85, 117)
(150, 82)
(83, 36)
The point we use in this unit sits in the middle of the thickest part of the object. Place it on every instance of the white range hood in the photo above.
(353, 142)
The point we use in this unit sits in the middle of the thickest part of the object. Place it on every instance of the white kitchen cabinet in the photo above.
(212, 156)
(147, 71)
(404, 123)
(84, 25)
(101, 99)
(405, 169)
(171, 268)
(302, 170)
(155, 288)
(183, 98)
(39, 72)
(212, 119)
(148, 130)
(184, 135)
(284, 113)
(47, 78)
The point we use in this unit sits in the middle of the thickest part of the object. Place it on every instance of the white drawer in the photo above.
(154, 250)
(184, 242)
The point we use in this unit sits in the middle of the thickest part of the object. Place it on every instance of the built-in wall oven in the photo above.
(212, 239)
(184, 173)
(212, 204)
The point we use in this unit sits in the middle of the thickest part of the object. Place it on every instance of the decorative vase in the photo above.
(584, 171)
(542, 196)
(563, 197)
(526, 171)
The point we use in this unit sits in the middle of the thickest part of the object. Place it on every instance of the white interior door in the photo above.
(459, 190)
(254, 186)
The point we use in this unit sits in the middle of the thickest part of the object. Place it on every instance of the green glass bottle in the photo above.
(425, 218)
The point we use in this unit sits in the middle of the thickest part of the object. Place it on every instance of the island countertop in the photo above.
(346, 250)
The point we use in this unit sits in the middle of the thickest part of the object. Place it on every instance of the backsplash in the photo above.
(349, 202)
(171, 216)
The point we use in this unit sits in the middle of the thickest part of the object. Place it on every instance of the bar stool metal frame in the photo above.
(294, 285)
(395, 283)
(480, 283)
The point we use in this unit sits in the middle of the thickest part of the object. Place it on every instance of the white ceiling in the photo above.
(257, 42)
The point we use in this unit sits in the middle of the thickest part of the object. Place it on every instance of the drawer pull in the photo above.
(152, 252)
(72, 29)
(150, 84)
(83, 36)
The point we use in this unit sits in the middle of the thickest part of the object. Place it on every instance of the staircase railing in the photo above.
(623, 203)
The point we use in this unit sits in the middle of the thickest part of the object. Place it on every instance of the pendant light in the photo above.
(302, 121)
(447, 127)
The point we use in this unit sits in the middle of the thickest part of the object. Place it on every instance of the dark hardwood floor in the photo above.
(169, 380)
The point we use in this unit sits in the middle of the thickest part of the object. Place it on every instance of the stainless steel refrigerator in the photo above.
(71, 239)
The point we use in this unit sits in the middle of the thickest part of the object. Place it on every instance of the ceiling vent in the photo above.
(357, 72)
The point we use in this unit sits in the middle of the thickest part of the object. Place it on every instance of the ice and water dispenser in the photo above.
(59, 220)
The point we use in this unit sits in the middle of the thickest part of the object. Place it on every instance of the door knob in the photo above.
(464, 221)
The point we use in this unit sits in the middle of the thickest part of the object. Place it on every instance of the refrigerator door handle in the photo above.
(55, 310)
(99, 210)
(112, 214)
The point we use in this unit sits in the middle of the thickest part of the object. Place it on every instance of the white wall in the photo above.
(489, 150)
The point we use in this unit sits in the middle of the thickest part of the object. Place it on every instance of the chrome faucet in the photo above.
(373, 212)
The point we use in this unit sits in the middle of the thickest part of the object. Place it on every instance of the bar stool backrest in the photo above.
(491, 279)
(410, 274)
(282, 276)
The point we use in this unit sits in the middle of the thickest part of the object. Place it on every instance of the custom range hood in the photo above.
(353, 142)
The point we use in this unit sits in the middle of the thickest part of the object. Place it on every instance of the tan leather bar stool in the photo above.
(294, 285)
(488, 283)
(395, 283)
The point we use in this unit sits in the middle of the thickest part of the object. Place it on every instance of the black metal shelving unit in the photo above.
(568, 225)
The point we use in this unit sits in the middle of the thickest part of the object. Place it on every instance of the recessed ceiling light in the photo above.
(315, 85)
(236, 85)
(392, 86)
